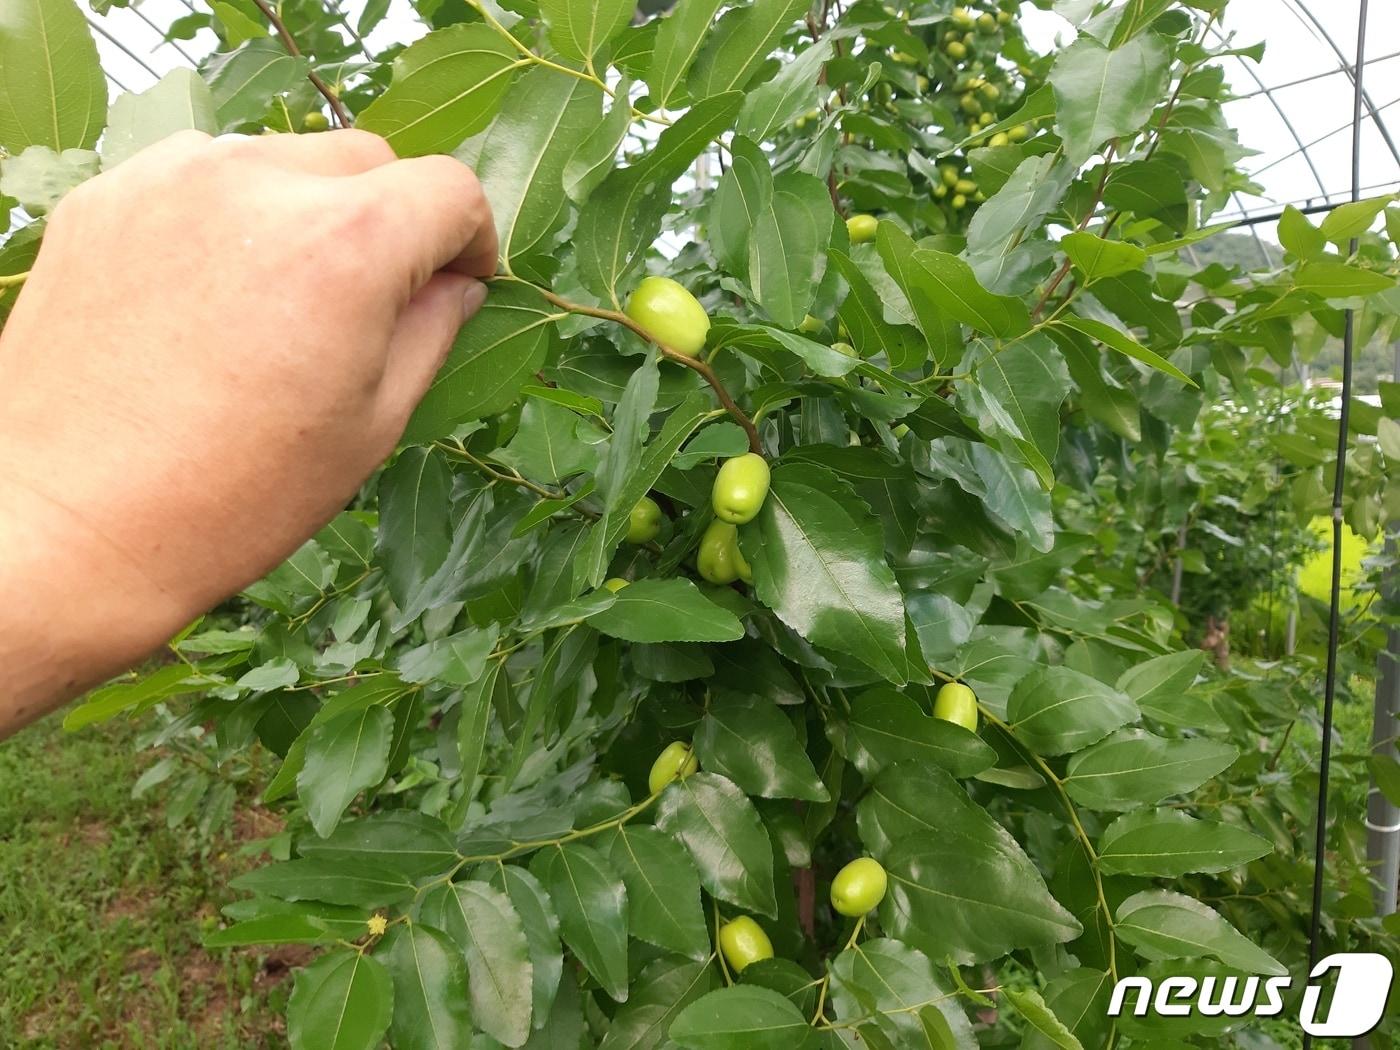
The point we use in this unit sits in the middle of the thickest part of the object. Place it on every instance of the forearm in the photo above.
(73, 610)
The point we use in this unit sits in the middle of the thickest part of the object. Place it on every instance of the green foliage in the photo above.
(986, 427)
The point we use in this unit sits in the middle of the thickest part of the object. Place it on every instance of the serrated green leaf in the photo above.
(342, 1001)
(446, 87)
(719, 826)
(750, 741)
(430, 1011)
(483, 923)
(1170, 844)
(50, 78)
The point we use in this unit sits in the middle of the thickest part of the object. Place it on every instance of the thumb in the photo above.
(423, 336)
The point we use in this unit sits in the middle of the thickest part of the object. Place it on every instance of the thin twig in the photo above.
(342, 115)
(693, 363)
(1061, 273)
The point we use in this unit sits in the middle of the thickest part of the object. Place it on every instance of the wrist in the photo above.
(74, 609)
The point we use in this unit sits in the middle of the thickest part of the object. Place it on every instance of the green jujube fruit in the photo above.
(744, 943)
(676, 762)
(670, 315)
(644, 523)
(740, 488)
(859, 887)
(956, 703)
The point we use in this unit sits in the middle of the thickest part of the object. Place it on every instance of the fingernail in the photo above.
(472, 299)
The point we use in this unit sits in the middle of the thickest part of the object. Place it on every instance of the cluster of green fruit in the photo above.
(857, 889)
(676, 320)
(739, 490)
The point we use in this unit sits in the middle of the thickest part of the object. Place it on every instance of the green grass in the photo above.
(102, 909)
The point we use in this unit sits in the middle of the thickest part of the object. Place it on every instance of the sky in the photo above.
(1308, 102)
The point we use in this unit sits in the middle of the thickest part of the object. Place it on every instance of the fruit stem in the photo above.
(342, 115)
(13, 280)
(693, 363)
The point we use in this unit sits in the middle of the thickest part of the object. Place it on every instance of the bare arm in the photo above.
(219, 341)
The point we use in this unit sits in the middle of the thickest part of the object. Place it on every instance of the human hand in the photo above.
(219, 341)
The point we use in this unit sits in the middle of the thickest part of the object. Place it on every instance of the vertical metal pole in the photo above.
(1382, 815)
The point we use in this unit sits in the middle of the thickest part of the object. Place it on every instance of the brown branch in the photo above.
(693, 363)
(342, 115)
(804, 881)
(1063, 271)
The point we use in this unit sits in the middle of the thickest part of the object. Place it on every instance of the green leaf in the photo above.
(1333, 279)
(1134, 768)
(411, 844)
(889, 981)
(361, 883)
(1298, 235)
(749, 740)
(1352, 219)
(544, 119)
(819, 563)
(581, 30)
(678, 41)
(1002, 223)
(669, 610)
(446, 87)
(663, 891)
(343, 758)
(127, 695)
(744, 192)
(179, 101)
(484, 923)
(591, 901)
(276, 929)
(960, 885)
(458, 659)
(51, 82)
(1121, 341)
(740, 43)
(1102, 94)
(475, 722)
(39, 178)
(1082, 997)
(742, 1016)
(430, 1011)
(1057, 710)
(787, 96)
(720, 827)
(1031, 1006)
(862, 312)
(1096, 257)
(493, 356)
(541, 925)
(342, 1001)
(950, 283)
(942, 332)
(414, 528)
(787, 246)
(888, 726)
(1154, 683)
(1165, 925)
(623, 215)
(238, 26)
(1148, 189)
(1018, 394)
(662, 990)
(594, 156)
(1170, 844)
